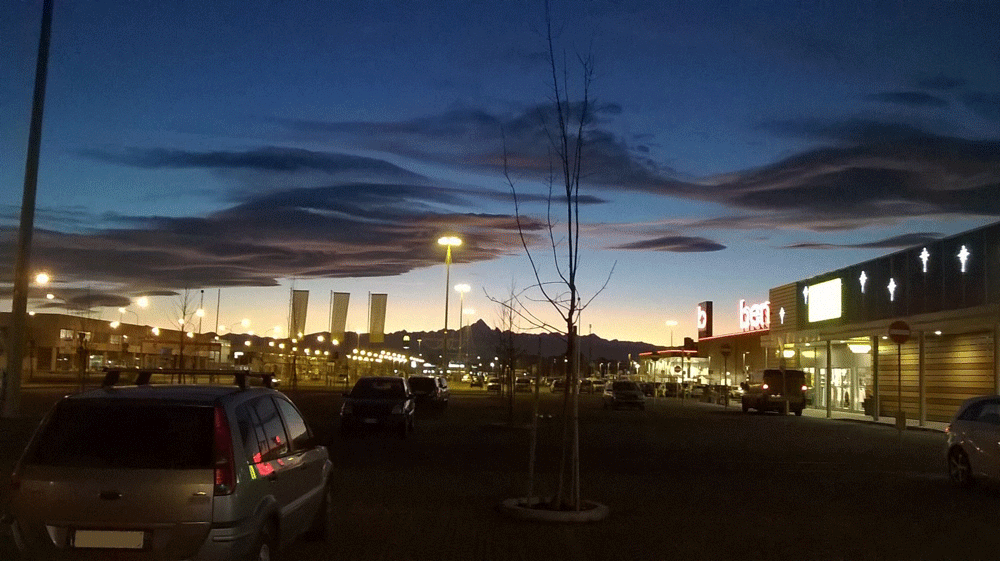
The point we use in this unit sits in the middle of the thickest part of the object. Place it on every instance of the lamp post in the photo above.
(671, 324)
(448, 242)
(11, 397)
(462, 289)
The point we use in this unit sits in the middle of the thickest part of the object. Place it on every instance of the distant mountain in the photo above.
(481, 340)
(478, 342)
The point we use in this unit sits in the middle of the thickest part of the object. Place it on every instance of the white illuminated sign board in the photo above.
(825, 300)
(755, 317)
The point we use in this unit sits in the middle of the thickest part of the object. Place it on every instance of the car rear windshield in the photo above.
(127, 435)
(378, 389)
(423, 384)
(624, 386)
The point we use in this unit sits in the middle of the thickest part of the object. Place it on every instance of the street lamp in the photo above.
(448, 242)
(671, 324)
(462, 289)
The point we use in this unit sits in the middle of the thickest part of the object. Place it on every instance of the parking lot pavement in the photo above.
(684, 480)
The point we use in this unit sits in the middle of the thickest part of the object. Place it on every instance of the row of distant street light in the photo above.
(42, 279)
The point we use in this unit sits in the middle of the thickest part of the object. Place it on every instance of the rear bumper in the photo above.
(220, 544)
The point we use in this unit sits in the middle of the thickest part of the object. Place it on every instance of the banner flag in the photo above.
(338, 315)
(376, 321)
(297, 321)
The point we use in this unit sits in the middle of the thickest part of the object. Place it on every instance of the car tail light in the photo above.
(947, 429)
(225, 469)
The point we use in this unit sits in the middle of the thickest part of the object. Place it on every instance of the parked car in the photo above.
(378, 402)
(971, 441)
(523, 384)
(493, 384)
(477, 382)
(430, 390)
(558, 385)
(623, 393)
(189, 472)
(775, 390)
(670, 389)
(648, 389)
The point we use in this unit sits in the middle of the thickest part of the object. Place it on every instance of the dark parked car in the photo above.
(170, 472)
(378, 402)
(777, 388)
(430, 390)
(623, 393)
(648, 389)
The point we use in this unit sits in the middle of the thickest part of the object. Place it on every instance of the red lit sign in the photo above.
(704, 319)
(755, 317)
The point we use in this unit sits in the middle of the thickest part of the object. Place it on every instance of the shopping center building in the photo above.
(945, 296)
(836, 326)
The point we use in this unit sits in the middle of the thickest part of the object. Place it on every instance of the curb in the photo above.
(520, 509)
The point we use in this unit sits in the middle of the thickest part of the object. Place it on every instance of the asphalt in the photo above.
(465, 531)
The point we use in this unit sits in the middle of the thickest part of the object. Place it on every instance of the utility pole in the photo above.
(11, 390)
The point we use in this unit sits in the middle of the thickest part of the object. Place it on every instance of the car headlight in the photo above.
(346, 409)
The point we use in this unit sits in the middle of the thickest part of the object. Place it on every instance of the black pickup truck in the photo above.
(777, 387)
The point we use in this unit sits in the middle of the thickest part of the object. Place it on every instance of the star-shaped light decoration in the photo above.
(963, 256)
(863, 279)
(892, 289)
(924, 256)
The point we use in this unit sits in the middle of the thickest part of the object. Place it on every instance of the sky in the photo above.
(231, 151)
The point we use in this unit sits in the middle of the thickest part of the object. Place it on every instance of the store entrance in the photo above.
(848, 388)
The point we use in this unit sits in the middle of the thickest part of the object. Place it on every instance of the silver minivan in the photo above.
(170, 472)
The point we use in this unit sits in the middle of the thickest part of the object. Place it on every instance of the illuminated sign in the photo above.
(704, 320)
(825, 300)
(755, 317)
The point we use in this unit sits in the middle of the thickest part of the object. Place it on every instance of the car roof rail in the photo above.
(112, 376)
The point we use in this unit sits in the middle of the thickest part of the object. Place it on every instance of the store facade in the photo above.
(735, 357)
(835, 326)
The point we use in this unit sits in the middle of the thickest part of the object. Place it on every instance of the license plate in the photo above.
(108, 539)
(371, 421)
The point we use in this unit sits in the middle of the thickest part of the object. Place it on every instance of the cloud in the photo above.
(873, 173)
(915, 99)
(673, 243)
(477, 139)
(268, 158)
(861, 172)
(983, 103)
(941, 82)
(339, 231)
(895, 242)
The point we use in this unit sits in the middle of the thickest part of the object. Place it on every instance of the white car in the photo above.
(973, 441)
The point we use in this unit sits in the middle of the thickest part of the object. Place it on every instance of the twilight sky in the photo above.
(255, 145)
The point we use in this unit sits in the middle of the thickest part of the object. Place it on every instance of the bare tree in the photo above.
(506, 349)
(566, 127)
(185, 310)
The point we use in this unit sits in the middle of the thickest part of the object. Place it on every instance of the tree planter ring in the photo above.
(521, 509)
